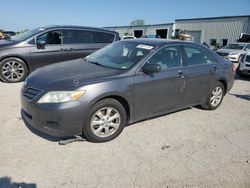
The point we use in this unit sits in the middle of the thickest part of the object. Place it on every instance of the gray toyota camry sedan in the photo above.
(124, 82)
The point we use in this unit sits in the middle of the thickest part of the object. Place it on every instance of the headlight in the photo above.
(234, 53)
(61, 96)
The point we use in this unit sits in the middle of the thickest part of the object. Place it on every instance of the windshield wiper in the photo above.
(96, 63)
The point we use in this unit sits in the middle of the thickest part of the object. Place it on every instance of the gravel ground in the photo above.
(189, 148)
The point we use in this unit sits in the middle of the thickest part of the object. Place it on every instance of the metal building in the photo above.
(221, 30)
(163, 30)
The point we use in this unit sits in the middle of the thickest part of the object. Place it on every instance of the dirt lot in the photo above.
(190, 148)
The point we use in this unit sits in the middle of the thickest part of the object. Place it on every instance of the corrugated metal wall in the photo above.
(228, 28)
(148, 29)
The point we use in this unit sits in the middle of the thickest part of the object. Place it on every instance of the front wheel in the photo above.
(13, 70)
(106, 120)
(215, 97)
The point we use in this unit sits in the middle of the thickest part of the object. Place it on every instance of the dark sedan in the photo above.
(125, 82)
(22, 54)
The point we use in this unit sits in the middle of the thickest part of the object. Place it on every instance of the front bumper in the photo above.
(57, 120)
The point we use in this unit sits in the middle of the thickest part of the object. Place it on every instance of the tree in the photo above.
(137, 22)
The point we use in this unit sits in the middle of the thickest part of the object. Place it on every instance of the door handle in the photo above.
(180, 74)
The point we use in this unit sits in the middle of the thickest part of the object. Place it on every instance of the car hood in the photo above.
(6, 43)
(68, 75)
(222, 50)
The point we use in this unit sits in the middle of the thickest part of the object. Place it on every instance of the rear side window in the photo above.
(196, 56)
(76, 37)
(101, 37)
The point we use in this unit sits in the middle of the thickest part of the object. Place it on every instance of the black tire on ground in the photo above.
(239, 73)
(105, 103)
(208, 104)
(18, 64)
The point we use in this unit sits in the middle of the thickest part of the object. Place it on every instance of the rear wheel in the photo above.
(13, 70)
(106, 120)
(215, 97)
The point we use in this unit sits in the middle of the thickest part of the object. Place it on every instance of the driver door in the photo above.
(52, 51)
(156, 93)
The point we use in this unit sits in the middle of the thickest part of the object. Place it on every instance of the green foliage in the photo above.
(137, 22)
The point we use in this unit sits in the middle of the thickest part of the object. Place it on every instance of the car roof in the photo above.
(75, 27)
(162, 42)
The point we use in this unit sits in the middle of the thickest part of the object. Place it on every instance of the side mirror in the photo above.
(40, 44)
(151, 68)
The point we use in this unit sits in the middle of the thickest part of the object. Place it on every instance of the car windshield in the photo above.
(27, 34)
(120, 55)
(235, 46)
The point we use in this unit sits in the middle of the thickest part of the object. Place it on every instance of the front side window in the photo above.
(168, 57)
(76, 37)
(101, 37)
(120, 55)
(196, 56)
(51, 37)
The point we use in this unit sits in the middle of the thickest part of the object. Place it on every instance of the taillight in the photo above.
(233, 68)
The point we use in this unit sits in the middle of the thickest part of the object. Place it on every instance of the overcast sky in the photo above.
(27, 14)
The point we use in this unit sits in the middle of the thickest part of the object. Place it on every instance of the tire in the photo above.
(215, 97)
(13, 70)
(240, 74)
(99, 127)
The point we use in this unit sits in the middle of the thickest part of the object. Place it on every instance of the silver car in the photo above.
(234, 51)
(244, 66)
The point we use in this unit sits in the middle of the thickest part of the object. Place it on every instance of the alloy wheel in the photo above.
(216, 96)
(105, 122)
(13, 70)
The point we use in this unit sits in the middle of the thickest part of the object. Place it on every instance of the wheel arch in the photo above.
(124, 102)
(223, 81)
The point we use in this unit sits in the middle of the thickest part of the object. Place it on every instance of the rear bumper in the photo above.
(57, 120)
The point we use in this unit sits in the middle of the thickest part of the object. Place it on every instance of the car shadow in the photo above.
(6, 182)
(246, 97)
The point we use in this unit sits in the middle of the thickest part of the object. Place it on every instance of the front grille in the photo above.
(222, 54)
(30, 93)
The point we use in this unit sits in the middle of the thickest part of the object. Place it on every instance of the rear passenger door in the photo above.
(80, 43)
(77, 43)
(201, 69)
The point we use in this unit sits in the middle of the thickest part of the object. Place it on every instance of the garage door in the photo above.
(196, 35)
